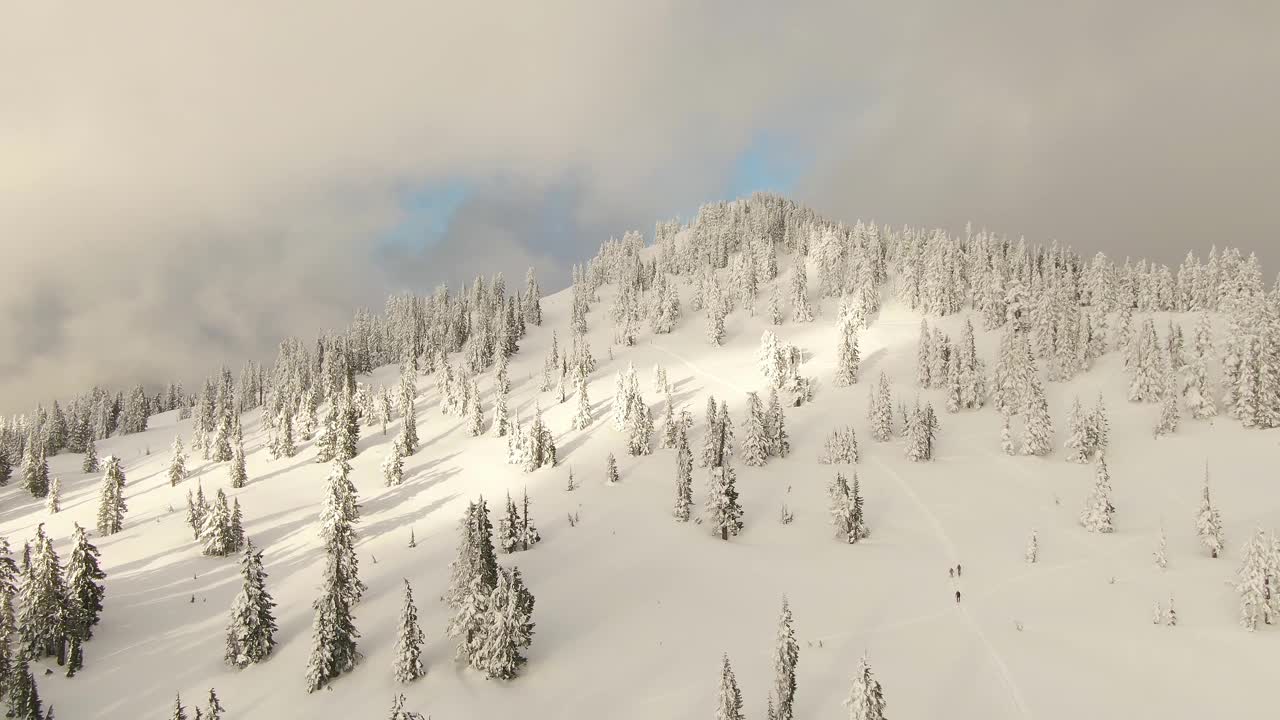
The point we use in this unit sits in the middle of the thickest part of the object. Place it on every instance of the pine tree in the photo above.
(111, 503)
(6, 466)
(1199, 392)
(779, 445)
(846, 509)
(755, 444)
(1006, 438)
(880, 411)
(866, 697)
(509, 627)
(1077, 434)
(35, 469)
(684, 476)
(251, 631)
(90, 464)
(1033, 548)
(729, 700)
(1209, 521)
(179, 711)
(333, 648)
(475, 422)
(610, 469)
(509, 528)
(282, 444)
(847, 357)
(393, 466)
(1253, 583)
(43, 618)
(722, 509)
(178, 463)
(24, 697)
(1038, 436)
(409, 429)
(801, 312)
(408, 665)
(528, 535)
(216, 537)
(924, 356)
(639, 426)
(215, 707)
(53, 502)
(237, 527)
(237, 470)
(582, 418)
(84, 592)
(1098, 509)
(1169, 418)
(786, 656)
(474, 577)
(1161, 555)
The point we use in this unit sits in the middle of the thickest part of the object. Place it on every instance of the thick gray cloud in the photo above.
(183, 185)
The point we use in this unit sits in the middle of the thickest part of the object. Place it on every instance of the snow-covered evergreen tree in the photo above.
(846, 509)
(729, 698)
(251, 630)
(178, 463)
(333, 644)
(866, 697)
(408, 664)
(508, 627)
(1033, 548)
(509, 528)
(1169, 418)
(1253, 582)
(393, 465)
(801, 311)
(1198, 393)
(841, 447)
(1006, 437)
(84, 589)
(111, 503)
(216, 536)
(924, 356)
(35, 469)
(755, 443)
(582, 417)
(90, 464)
(237, 470)
(1098, 510)
(42, 597)
(1077, 434)
(786, 656)
(1209, 521)
(408, 437)
(1161, 554)
(847, 357)
(1038, 436)
(776, 427)
(880, 410)
(684, 476)
(53, 501)
(723, 512)
(610, 469)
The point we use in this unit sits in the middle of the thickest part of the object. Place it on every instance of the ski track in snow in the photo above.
(1014, 693)
(697, 370)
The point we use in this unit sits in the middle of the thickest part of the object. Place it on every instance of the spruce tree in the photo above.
(409, 429)
(179, 711)
(508, 627)
(6, 466)
(215, 707)
(90, 464)
(475, 418)
(880, 410)
(24, 697)
(755, 445)
(251, 631)
(1169, 418)
(1209, 521)
(723, 512)
(1077, 434)
(866, 697)
(393, 466)
(239, 474)
(1006, 437)
(43, 618)
(582, 418)
(1038, 436)
(847, 357)
(684, 476)
(786, 655)
(474, 577)
(1098, 509)
(35, 469)
(216, 538)
(84, 591)
(729, 699)
(610, 469)
(178, 463)
(237, 527)
(509, 528)
(111, 503)
(53, 502)
(333, 647)
(776, 426)
(1253, 582)
(529, 535)
(408, 665)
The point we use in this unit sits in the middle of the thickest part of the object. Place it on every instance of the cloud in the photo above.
(184, 185)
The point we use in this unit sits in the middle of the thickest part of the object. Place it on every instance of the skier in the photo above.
(951, 572)
(957, 597)
(957, 569)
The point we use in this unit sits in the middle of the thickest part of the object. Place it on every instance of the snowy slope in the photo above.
(634, 610)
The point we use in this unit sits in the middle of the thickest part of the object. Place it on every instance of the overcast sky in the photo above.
(183, 184)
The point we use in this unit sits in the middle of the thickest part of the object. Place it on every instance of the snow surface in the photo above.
(634, 609)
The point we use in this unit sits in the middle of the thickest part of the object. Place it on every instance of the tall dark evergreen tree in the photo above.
(251, 632)
(6, 466)
(333, 649)
(35, 469)
(408, 665)
(786, 655)
(84, 589)
(42, 621)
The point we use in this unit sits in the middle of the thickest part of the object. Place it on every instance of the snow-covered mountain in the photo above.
(634, 608)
